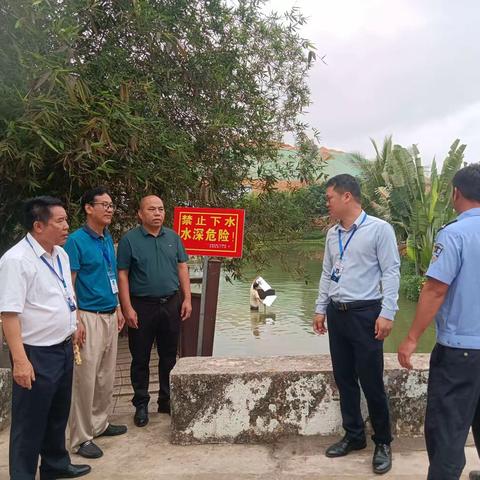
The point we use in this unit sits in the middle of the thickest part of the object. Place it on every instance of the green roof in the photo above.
(338, 162)
(341, 163)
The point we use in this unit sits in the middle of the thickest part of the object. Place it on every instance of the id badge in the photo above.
(337, 271)
(71, 304)
(113, 282)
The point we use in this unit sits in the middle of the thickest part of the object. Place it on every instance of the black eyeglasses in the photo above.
(105, 205)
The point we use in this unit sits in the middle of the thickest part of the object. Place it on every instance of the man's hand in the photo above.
(23, 373)
(383, 327)
(120, 319)
(80, 335)
(131, 317)
(405, 350)
(186, 310)
(319, 324)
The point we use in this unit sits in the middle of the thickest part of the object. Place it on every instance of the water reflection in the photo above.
(257, 319)
(285, 327)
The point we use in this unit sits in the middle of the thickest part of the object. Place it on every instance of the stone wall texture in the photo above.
(5, 396)
(261, 399)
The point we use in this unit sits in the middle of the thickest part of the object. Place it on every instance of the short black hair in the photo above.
(39, 209)
(467, 180)
(89, 196)
(345, 183)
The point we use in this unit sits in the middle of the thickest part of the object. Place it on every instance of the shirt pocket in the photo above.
(43, 290)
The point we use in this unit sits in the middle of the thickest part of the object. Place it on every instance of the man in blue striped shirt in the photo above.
(358, 295)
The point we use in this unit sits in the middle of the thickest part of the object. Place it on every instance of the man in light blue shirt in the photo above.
(451, 295)
(358, 296)
(368, 272)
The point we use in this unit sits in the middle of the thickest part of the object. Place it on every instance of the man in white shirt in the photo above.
(37, 306)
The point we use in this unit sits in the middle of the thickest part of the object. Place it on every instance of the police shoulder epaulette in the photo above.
(447, 224)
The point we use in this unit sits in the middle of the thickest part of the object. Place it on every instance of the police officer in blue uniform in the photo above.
(451, 295)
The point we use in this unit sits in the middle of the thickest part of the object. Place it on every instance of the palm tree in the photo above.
(374, 179)
(417, 206)
(433, 208)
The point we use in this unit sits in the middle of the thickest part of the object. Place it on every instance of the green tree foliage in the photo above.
(284, 214)
(177, 97)
(417, 205)
(274, 216)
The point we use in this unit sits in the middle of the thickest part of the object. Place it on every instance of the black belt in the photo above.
(61, 344)
(101, 312)
(161, 300)
(65, 342)
(344, 306)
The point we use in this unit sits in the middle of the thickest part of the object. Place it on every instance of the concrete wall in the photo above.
(260, 399)
(5, 396)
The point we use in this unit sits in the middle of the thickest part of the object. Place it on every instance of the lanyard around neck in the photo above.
(59, 276)
(342, 248)
(102, 246)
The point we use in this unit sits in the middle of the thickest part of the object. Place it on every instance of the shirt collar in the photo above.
(356, 223)
(472, 212)
(146, 234)
(93, 233)
(38, 249)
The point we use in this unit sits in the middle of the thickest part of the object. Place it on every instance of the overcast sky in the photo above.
(410, 68)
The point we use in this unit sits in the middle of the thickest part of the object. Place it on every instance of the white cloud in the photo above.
(434, 137)
(345, 19)
(398, 67)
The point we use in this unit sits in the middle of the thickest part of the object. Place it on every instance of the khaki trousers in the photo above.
(93, 380)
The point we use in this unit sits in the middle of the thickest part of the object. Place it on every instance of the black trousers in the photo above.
(39, 415)
(159, 322)
(452, 407)
(357, 356)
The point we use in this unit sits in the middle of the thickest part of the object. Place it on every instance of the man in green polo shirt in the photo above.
(154, 289)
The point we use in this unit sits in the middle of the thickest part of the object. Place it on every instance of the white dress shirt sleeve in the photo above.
(13, 285)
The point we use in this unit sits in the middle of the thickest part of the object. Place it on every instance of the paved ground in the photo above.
(123, 390)
(146, 453)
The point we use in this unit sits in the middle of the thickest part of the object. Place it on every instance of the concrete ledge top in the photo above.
(294, 363)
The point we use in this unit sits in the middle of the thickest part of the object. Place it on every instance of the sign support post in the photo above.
(203, 299)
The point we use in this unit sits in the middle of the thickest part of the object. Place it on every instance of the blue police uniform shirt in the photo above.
(455, 262)
(92, 256)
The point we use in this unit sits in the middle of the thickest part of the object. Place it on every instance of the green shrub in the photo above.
(410, 286)
(407, 267)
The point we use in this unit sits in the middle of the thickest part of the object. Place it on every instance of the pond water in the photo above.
(286, 327)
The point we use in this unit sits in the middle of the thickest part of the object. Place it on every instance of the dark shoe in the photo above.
(382, 458)
(89, 450)
(72, 471)
(114, 430)
(344, 446)
(164, 406)
(474, 475)
(140, 418)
